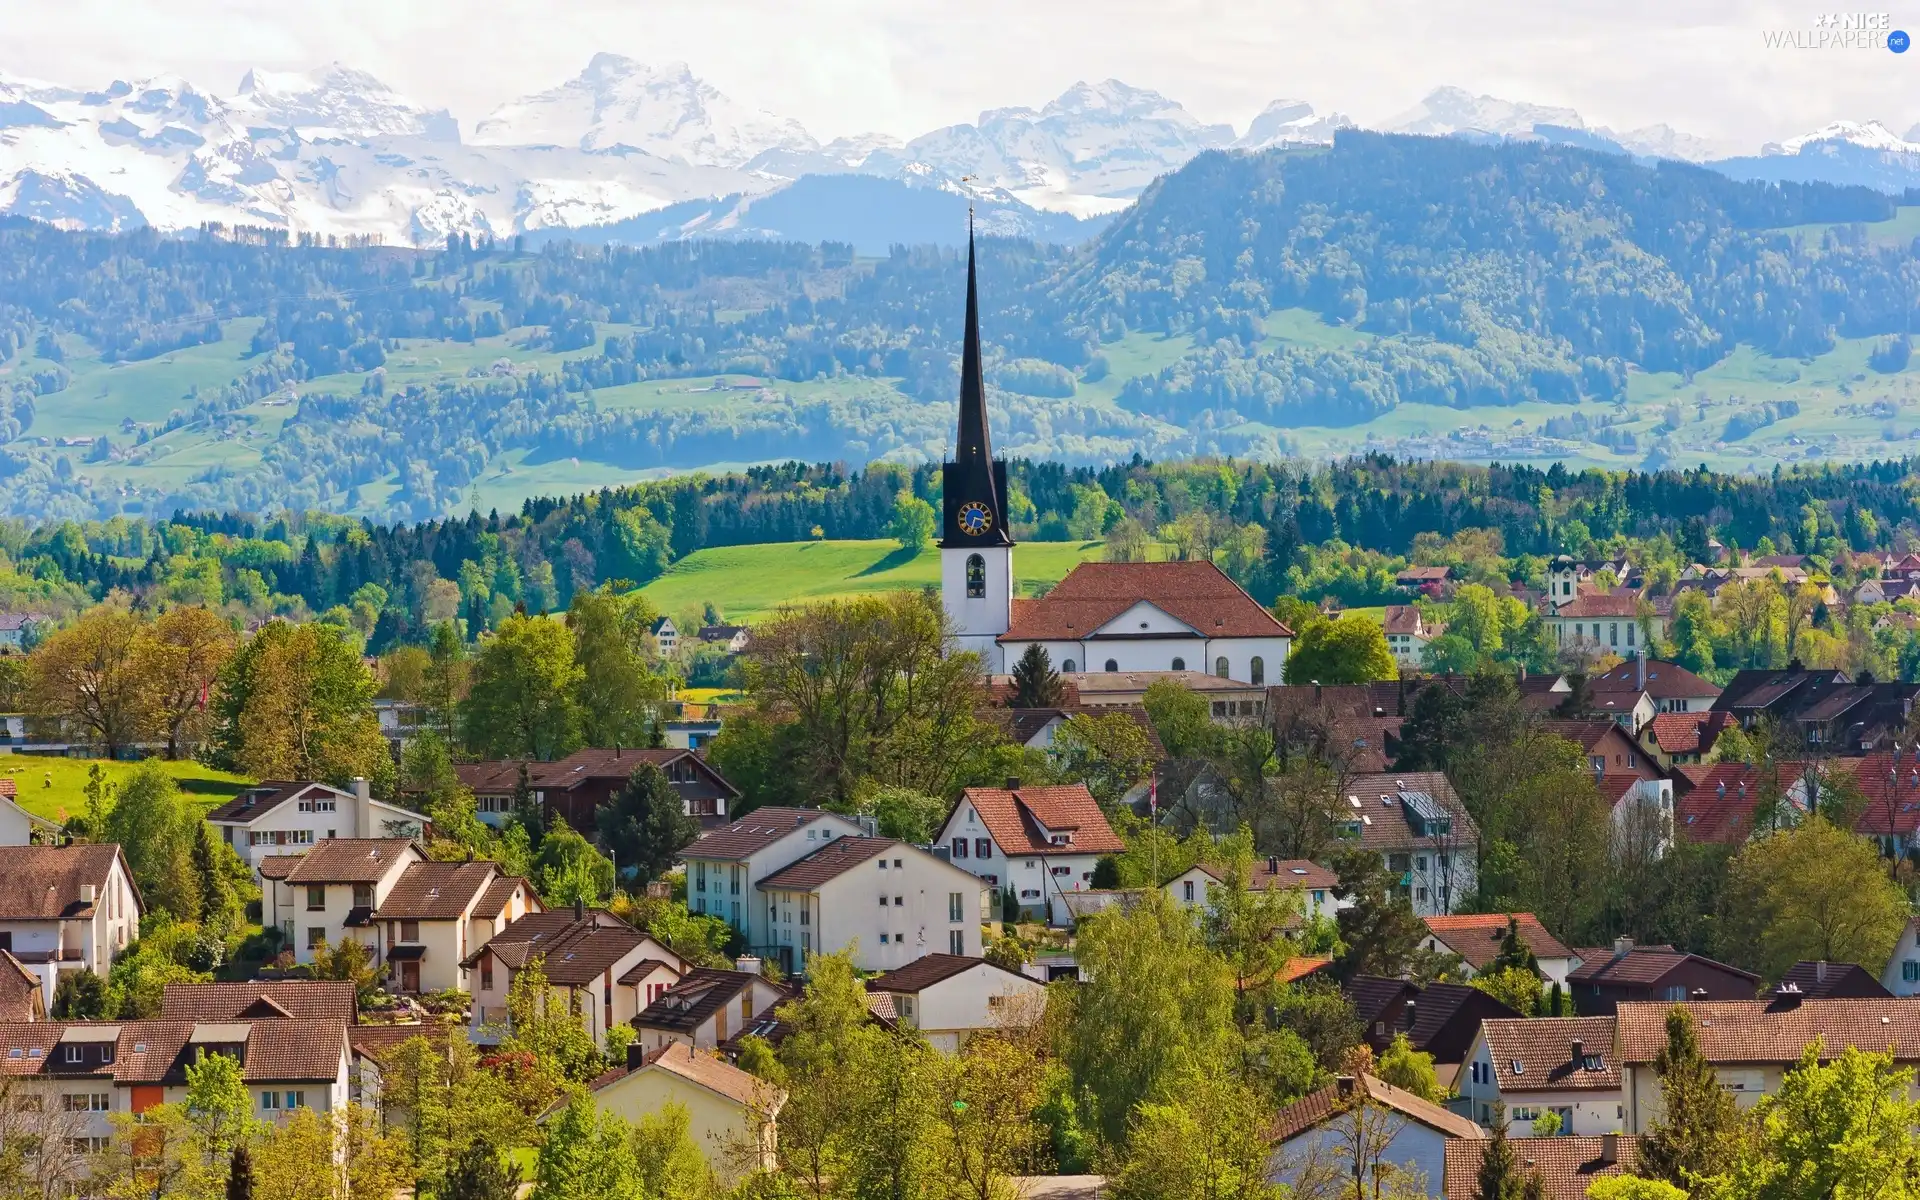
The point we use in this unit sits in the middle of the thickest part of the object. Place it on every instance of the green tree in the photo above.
(1207, 1140)
(1841, 1128)
(1351, 649)
(1477, 615)
(644, 826)
(568, 868)
(1157, 1008)
(219, 1107)
(157, 830)
(1516, 987)
(521, 702)
(1500, 1176)
(1700, 1133)
(1380, 929)
(79, 996)
(1632, 1187)
(89, 677)
(1180, 718)
(180, 657)
(669, 1162)
(444, 682)
(1035, 683)
(1811, 892)
(1409, 1069)
(240, 1175)
(225, 881)
(1109, 753)
(617, 691)
(913, 522)
(296, 702)
(587, 1155)
(479, 1173)
(544, 1027)
(904, 813)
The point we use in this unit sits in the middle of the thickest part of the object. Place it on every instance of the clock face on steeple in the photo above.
(975, 518)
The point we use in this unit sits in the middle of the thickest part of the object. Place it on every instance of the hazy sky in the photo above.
(904, 66)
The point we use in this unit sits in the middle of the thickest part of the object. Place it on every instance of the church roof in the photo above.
(1094, 593)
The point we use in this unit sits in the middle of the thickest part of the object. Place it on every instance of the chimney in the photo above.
(1640, 670)
(1622, 945)
(1579, 1053)
(636, 1055)
(362, 807)
(749, 963)
(1820, 971)
(1609, 1149)
(579, 909)
(1273, 864)
(1698, 994)
(1013, 783)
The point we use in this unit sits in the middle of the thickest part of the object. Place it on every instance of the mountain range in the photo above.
(636, 153)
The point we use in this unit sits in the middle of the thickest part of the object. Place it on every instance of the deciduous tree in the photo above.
(89, 675)
(181, 657)
(522, 701)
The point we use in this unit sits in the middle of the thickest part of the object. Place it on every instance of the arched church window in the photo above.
(1220, 666)
(1068, 666)
(1179, 664)
(976, 577)
(1259, 671)
(1112, 665)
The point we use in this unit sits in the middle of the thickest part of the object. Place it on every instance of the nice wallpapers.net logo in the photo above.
(1842, 31)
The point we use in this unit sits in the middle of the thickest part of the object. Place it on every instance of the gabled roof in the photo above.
(701, 993)
(930, 969)
(1021, 820)
(304, 999)
(1374, 995)
(277, 866)
(1282, 873)
(831, 861)
(378, 1041)
(580, 767)
(21, 998)
(1329, 1102)
(257, 802)
(493, 901)
(42, 883)
(1618, 605)
(437, 891)
(1830, 980)
(351, 860)
(1535, 1054)
(277, 1050)
(707, 1070)
(1567, 1166)
(1717, 805)
(1405, 618)
(1379, 804)
(1687, 733)
(1775, 1031)
(573, 950)
(1640, 966)
(1665, 681)
(1477, 938)
(752, 833)
(1438, 1004)
(1197, 593)
(1584, 734)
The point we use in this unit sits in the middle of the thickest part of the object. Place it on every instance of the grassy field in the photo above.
(1898, 230)
(747, 582)
(55, 788)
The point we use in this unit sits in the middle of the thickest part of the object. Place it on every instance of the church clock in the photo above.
(975, 518)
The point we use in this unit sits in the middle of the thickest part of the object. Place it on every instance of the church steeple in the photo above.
(974, 484)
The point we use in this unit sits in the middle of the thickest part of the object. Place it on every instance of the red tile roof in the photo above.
(276, 1050)
(1567, 1166)
(351, 860)
(1329, 1102)
(42, 883)
(928, 970)
(1719, 802)
(1599, 604)
(1535, 1054)
(315, 999)
(1688, 733)
(1016, 819)
(1773, 1031)
(1374, 801)
(1665, 681)
(437, 891)
(1477, 937)
(1093, 594)
(1640, 965)
(831, 861)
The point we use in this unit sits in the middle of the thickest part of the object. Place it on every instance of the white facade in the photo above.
(976, 588)
(744, 1004)
(106, 919)
(980, 999)
(1582, 1111)
(308, 914)
(603, 1004)
(1193, 888)
(1412, 1149)
(725, 886)
(886, 911)
(17, 825)
(1145, 638)
(1039, 882)
(317, 812)
(1902, 975)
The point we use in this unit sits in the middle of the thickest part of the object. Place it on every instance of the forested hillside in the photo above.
(1243, 299)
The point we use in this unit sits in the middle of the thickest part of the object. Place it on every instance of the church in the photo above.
(1161, 616)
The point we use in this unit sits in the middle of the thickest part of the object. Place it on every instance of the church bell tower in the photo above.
(976, 543)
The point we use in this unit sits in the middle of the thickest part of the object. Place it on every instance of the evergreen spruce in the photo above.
(1701, 1130)
(1035, 683)
(478, 1174)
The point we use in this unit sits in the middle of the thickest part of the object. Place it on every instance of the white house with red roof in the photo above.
(1040, 843)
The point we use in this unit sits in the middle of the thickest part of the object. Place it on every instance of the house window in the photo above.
(409, 931)
(1179, 664)
(699, 877)
(1067, 665)
(806, 915)
(976, 577)
(316, 897)
(316, 936)
(486, 973)
(960, 847)
(1187, 891)
(956, 909)
(269, 1101)
(883, 902)
(1220, 666)
(1910, 971)
(363, 895)
(1112, 665)
(1258, 670)
(1629, 633)
(1613, 634)
(956, 942)
(883, 939)
(983, 847)
(73, 1054)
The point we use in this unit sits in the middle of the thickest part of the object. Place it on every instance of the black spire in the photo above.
(975, 444)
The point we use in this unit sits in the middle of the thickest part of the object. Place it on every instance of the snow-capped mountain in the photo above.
(1864, 153)
(1664, 141)
(337, 102)
(1456, 111)
(663, 111)
(1867, 135)
(1290, 123)
(1090, 150)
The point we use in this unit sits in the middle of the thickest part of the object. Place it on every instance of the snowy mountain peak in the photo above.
(1869, 135)
(339, 102)
(666, 111)
(1290, 123)
(1452, 110)
(1110, 97)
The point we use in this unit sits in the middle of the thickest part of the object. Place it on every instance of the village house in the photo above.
(825, 903)
(18, 827)
(1038, 843)
(1752, 1044)
(1416, 822)
(1814, 979)
(596, 965)
(436, 913)
(1609, 749)
(1598, 623)
(1440, 1019)
(1566, 1166)
(572, 788)
(1314, 883)
(1409, 633)
(1430, 580)
(951, 997)
(1606, 979)
(290, 818)
(725, 865)
(666, 636)
(331, 892)
(1683, 739)
(731, 638)
(731, 1115)
(1902, 974)
(1477, 939)
(1564, 1066)
(1412, 1134)
(706, 1008)
(67, 908)
(1670, 687)
(17, 629)
(1228, 700)
(261, 1000)
(105, 1069)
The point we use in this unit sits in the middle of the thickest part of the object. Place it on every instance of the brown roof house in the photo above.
(21, 997)
(261, 1000)
(1412, 1135)
(1811, 980)
(731, 1115)
(825, 903)
(1039, 843)
(595, 964)
(1440, 1019)
(1158, 616)
(724, 864)
(1315, 884)
(1416, 821)
(1477, 939)
(1409, 633)
(331, 891)
(1567, 1166)
(1752, 1044)
(706, 1008)
(1605, 978)
(66, 908)
(281, 817)
(437, 913)
(1565, 1066)
(949, 998)
(575, 786)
